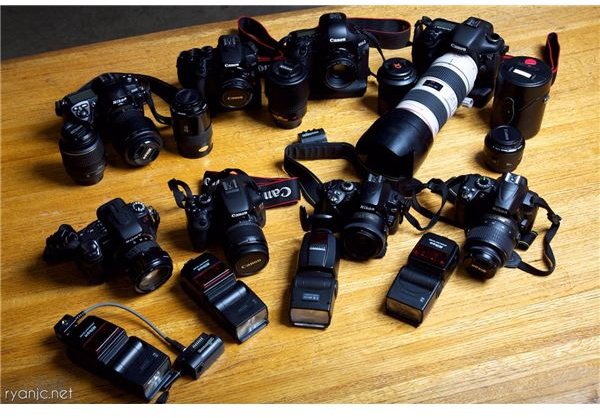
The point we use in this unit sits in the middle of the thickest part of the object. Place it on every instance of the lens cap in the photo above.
(287, 72)
(397, 69)
(188, 101)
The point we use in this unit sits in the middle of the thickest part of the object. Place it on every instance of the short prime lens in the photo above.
(287, 89)
(503, 148)
(82, 153)
(147, 265)
(135, 137)
(192, 127)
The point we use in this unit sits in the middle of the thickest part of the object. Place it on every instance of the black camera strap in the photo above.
(313, 145)
(382, 33)
(549, 259)
(279, 191)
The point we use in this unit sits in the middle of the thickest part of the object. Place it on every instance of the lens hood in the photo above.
(395, 145)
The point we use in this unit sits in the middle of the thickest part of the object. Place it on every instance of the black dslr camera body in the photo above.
(111, 107)
(336, 54)
(123, 235)
(227, 76)
(365, 214)
(229, 209)
(497, 215)
(474, 37)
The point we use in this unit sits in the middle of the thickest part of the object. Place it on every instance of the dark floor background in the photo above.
(27, 30)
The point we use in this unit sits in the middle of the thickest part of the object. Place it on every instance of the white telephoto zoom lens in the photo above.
(440, 91)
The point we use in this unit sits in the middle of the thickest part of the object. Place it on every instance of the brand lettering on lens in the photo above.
(334, 40)
(237, 215)
(250, 264)
(275, 193)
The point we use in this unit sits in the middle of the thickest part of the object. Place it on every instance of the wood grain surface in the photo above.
(514, 338)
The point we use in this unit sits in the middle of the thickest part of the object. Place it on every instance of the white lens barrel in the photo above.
(440, 91)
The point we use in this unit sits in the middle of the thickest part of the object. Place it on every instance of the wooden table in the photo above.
(514, 338)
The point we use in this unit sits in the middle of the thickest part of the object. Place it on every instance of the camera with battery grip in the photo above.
(455, 62)
(111, 108)
(123, 237)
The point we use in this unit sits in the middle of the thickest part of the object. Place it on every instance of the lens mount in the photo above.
(340, 70)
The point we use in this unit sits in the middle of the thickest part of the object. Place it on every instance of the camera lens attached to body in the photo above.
(340, 70)
(397, 143)
(287, 89)
(212, 284)
(135, 137)
(245, 244)
(192, 127)
(522, 90)
(503, 148)
(82, 153)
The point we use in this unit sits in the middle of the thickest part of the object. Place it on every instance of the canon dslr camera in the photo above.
(336, 54)
(230, 209)
(474, 37)
(497, 215)
(365, 213)
(227, 76)
(124, 235)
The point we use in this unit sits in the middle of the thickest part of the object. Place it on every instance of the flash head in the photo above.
(314, 287)
(418, 284)
(213, 285)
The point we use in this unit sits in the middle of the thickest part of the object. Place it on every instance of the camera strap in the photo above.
(313, 145)
(515, 260)
(384, 33)
(279, 191)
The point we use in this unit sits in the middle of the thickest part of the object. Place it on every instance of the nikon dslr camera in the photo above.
(123, 235)
(336, 54)
(227, 76)
(497, 215)
(365, 213)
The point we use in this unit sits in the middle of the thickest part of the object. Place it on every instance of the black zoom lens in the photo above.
(488, 246)
(191, 124)
(135, 137)
(246, 248)
(82, 153)
(287, 89)
(147, 265)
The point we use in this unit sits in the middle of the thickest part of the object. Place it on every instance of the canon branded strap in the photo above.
(382, 33)
(275, 191)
